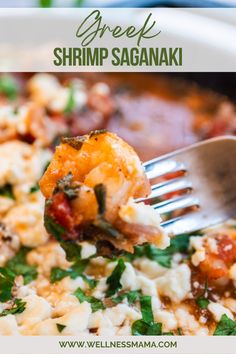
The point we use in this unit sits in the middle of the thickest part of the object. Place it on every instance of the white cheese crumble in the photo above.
(8, 326)
(218, 311)
(175, 283)
(48, 91)
(143, 214)
(196, 242)
(87, 249)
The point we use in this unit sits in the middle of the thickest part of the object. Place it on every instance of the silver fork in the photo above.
(207, 183)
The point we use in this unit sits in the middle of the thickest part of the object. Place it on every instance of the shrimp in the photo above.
(89, 180)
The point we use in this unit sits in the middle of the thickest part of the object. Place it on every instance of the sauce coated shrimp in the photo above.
(90, 185)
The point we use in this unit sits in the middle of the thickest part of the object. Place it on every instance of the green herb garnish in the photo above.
(7, 278)
(179, 332)
(7, 191)
(226, 327)
(75, 142)
(71, 103)
(19, 266)
(96, 304)
(60, 327)
(72, 250)
(97, 132)
(202, 300)
(34, 188)
(163, 257)
(100, 194)
(105, 226)
(146, 326)
(100, 222)
(45, 3)
(141, 328)
(18, 307)
(65, 185)
(113, 280)
(8, 86)
(146, 308)
(76, 270)
(131, 297)
(54, 228)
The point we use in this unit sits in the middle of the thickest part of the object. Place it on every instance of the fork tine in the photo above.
(159, 167)
(170, 205)
(169, 186)
(183, 224)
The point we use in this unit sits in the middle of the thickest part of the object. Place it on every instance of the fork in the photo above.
(204, 175)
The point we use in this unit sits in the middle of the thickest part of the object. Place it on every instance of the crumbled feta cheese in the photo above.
(101, 88)
(196, 242)
(175, 283)
(212, 244)
(37, 309)
(26, 220)
(128, 279)
(186, 321)
(218, 311)
(75, 321)
(47, 91)
(167, 319)
(8, 326)
(100, 289)
(120, 313)
(146, 285)
(151, 269)
(87, 249)
(48, 256)
(143, 214)
(230, 303)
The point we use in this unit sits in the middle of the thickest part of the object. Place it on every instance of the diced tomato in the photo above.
(60, 210)
(217, 265)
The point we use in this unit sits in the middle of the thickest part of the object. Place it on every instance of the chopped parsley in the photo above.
(146, 326)
(45, 3)
(34, 188)
(105, 226)
(146, 308)
(96, 304)
(100, 193)
(202, 301)
(18, 307)
(71, 103)
(72, 250)
(8, 86)
(60, 327)
(58, 274)
(113, 280)
(131, 297)
(100, 221)
(75, 271)
(19, 266)
(226, 327)
(65, 185)
(163, 257)
(75, 142)
(97, 132)
(7, 278)
(7, 191)
(53, 227)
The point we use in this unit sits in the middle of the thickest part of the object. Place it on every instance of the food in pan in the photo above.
(54, 282)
